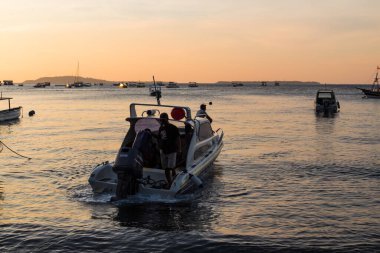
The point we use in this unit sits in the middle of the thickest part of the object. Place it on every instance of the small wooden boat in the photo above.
(10, 113)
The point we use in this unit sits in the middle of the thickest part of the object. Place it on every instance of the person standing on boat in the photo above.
(169, 144)
(202, 113)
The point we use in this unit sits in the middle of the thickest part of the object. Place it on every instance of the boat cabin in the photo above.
(7, 82)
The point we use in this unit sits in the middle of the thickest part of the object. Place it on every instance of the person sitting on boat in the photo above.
(169, 144)
(202, 113)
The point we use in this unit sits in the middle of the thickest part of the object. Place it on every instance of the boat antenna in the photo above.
(158, 92)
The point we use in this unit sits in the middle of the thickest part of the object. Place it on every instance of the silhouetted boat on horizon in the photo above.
(374, 92)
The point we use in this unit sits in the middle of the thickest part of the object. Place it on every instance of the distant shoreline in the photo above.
(63, 80)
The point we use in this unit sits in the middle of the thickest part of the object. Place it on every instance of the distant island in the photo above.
(272, 82)
(66, 79)
(62, 80)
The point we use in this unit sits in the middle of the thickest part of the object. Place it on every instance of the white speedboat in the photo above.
(326, 102)
(137, 170)
(10, 113)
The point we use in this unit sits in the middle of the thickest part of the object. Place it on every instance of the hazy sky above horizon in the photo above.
(330, 41)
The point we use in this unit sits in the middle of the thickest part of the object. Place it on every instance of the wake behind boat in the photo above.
(10, 113)
(374, 92)
(137, 169)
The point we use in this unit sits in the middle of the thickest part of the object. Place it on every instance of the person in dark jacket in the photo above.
(202, 113)
(169, 144)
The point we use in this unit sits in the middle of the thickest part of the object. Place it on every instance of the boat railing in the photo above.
(199, 145)
(220, 133)
(133, 113)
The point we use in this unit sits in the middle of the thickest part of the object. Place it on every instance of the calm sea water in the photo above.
(285, 181)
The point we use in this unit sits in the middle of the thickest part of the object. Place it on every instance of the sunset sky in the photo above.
(330, 41)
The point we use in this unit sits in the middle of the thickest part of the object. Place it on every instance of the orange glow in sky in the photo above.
(334, 41)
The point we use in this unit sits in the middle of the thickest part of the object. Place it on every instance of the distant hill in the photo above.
(65, 80)
(272, 82)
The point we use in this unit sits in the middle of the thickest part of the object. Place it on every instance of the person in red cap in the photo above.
(169, 144)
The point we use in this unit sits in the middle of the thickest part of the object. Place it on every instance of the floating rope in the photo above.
(3, 145)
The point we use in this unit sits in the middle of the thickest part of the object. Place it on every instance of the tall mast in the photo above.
(158, 92)
(375, 86)
(76, 77)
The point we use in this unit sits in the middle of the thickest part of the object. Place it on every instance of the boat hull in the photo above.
(326, 109)
(370, 93)
(10, 114)
(104, 180)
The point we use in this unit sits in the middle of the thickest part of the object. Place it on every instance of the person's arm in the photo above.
(209, 118)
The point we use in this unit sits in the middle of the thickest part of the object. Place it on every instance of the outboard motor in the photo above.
(326, 107)
(129, 166)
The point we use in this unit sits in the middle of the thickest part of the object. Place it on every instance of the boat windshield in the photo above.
(324, 95)
(147, 123)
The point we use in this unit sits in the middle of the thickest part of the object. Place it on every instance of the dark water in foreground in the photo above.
(285, 181)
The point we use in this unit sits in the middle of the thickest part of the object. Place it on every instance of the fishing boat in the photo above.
(77, 83)
(374, 91)
(41, 85)
(237, 84)
(193, 84)
(137, 172)
(140, 85)
(326, 102)
(123, 85)
(172, 85)
(8, 82)
(10, 113)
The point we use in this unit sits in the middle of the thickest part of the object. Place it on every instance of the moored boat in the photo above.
(42, 85)
(237, 84)
(77, 83)
(137, 170)
(140, 85)
(374, 91)
(123, 85)
(8, 82)
(172, 85)
(10, 113)
(193, 84)
(326, 102)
